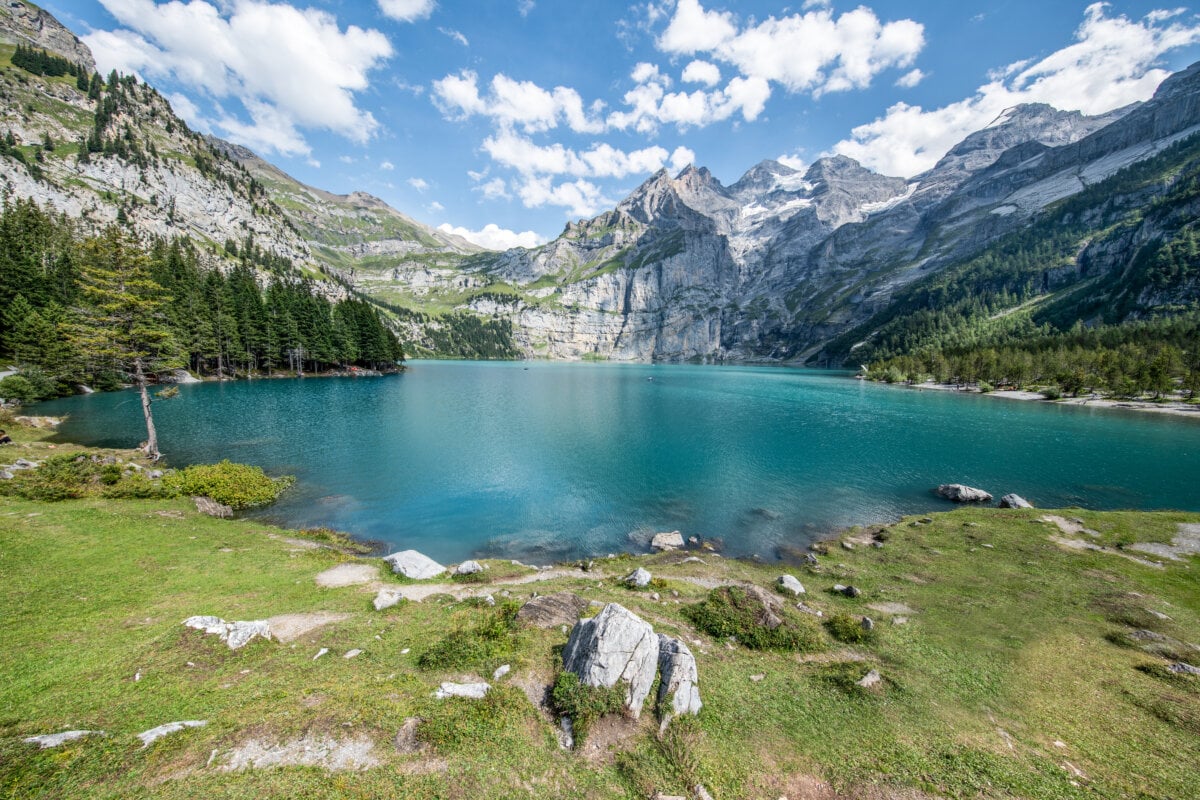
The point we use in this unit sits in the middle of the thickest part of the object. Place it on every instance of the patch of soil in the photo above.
(290, 627)
(349, 574)
(610, 736)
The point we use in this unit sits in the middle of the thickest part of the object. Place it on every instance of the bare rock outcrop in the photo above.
(678, 692)
(615, 646)
(412, 564)
(963, 494)
(552, 610)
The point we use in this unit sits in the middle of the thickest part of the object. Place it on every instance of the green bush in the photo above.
(235, 485)
(582, 703)
(1051, 393)
(848, 629)
(745, 615)
(489, 642)
(19, 388)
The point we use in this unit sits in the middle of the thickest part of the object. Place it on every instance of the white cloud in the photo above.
(312, 162)
(187, 111)
(794, 161)
(601, 160)
(495, 189)
(407, 10)
(420, 184)
(456, 35)
(289, 68)
(511, 102)
(435, 207)
(704, 72)
(493, 237)
(681, 157)
(387, 165)
(814, 51)
(1111, 64)
(346, 159)
(581, 198)
(524, 7)
(910, 79)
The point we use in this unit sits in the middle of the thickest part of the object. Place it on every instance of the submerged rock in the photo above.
(614, 646)
(667, 541)
(412, 564)
(963, 494)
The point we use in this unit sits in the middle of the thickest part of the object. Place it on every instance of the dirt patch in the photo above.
(1071, 527)
(1081, 544)
(1185, 543)
(892, 608)
(810, 787)
(610, 736)
(348, 574)
(311, 750)
(290, 627)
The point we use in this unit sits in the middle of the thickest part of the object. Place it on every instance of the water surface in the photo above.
(550, 460)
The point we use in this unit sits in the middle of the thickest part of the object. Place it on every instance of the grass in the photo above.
(1006, 654)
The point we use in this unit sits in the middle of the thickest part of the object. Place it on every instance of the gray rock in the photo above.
(471, 691)
(807, 609)
(791, 584)
(47, 740)
(963, 494)
(235, 634)
(848, 591)
(154, 474)
(154, 734)
(412, 564)
(639, 578)
(1179, 668)
(678, 677)
(1014, 501)
(552, 610)
(406, 740)
(614, 646)
(468, 568)
(386, 598)
(870, 679)
(5, 475)
(868, 624)
(810, 559)
(701, 793)
(355, 653)
(667, 541)
(501, 671)
(212, 508)
(566, 733)
(24, 463)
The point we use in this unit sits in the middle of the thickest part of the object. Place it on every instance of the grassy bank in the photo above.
(1014, 675)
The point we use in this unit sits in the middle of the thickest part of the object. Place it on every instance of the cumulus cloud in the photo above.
(704, 72)
(581, 198)
(601, 160)
(289, 68)
(420, 184)
(910, 79)
(407, 10)
(435, 207)
(1111, 63)
(814, 51)
(495, 189)
(387, 165)
(493, 237)
(511, 102)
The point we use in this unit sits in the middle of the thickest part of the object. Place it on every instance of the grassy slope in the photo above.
(1005, 656)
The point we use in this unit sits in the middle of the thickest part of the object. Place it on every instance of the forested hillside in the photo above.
(56, 280)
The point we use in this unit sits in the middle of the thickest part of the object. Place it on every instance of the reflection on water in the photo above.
(547, 461)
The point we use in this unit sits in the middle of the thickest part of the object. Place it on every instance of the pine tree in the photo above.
(122, 323)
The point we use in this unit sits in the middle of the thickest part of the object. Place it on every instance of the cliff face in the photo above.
(24, 23)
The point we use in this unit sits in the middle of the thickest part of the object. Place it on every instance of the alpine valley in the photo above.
(1044, 217)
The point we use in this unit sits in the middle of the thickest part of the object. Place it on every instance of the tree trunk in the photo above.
(151, 433)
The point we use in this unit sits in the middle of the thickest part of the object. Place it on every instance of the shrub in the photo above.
(582, 703)
(502, 717)
(1051, 393)
(19, 388)
(491, 641)
(755, 618)
(235, 485)
(848, 629)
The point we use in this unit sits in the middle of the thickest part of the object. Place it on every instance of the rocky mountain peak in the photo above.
(25, 23)
(765, 176)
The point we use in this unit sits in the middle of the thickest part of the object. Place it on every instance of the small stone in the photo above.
(868, 624)
(701, 792)
(406, 651)
(468, 568)
(639, 578)
(693, 540)
(870, 679)
(212, 508)
(320, 653)
(807, 609)
(655, 597)
(386, 598)
(988, 546)
(959, 493)
(847, 545)
(491, 601)
(501, 671)
(758, 677)
(353, 653)
(899, 620)
(667, 541)
(566, 733)
(810, 560)
(154, 734)
(789, 583)
(692, 560)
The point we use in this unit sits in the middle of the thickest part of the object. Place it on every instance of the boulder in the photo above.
(472, 691)
(468, 568)
(412, 564)
(46, 740)
(212, 508)
(552, 610)
(963, 494)
(667, 541)
(789, 583)
(1014, 501)
(639, 578)
(235, 634)
(614, 646)
(386, 598)
(177, 376)
(677, 689)
(870, 679)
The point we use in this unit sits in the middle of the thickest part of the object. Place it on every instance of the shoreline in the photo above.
(1174, 407)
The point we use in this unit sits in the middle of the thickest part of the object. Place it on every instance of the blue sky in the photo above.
(504, 119)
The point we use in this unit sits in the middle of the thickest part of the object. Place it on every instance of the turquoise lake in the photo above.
(543, 461)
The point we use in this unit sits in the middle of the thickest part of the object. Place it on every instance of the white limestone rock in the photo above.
(639, 577)
(614, 646)
(154, 734)
(1014, 501)
(678, 680)
(472, 691)
(667, 541)
(412, 564)
(47, 740)
(790, 583)
(468, 568)
(235, 634)
(963, 494)
(386, 598)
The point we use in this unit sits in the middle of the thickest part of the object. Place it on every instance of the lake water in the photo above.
(547, 461)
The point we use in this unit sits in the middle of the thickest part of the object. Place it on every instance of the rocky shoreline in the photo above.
(1173, 407)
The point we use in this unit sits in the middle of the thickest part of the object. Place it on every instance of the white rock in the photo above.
(355, 653)
(963, 494)
(473, 691)
(468, 568)
(1014, 501)
(46, 740)
(154, 734)
(639, 578)
(412, 564)
(667, 541)
(501, 671)
(320, 653)
(678, 680)
(386, 598)
(870, 679)
(792, 584)
(235, 634)
(615, 645)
